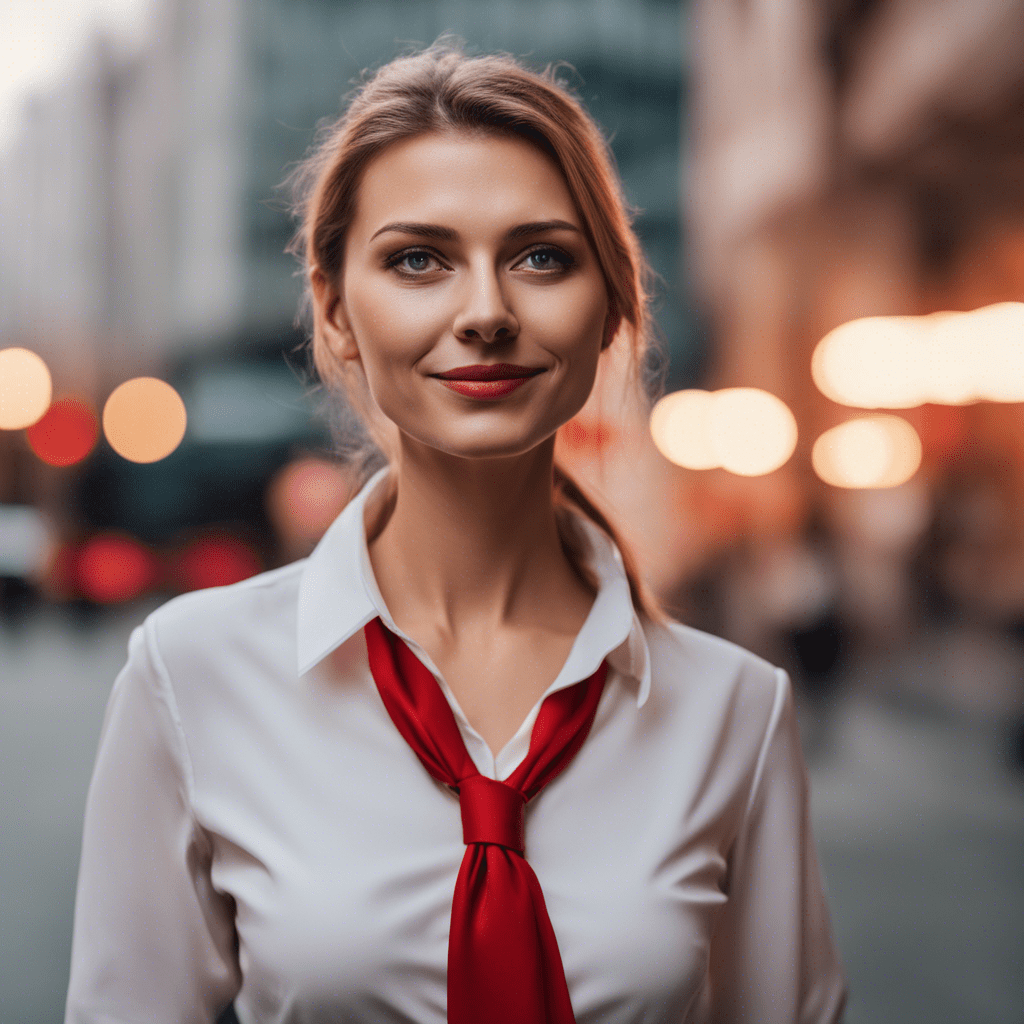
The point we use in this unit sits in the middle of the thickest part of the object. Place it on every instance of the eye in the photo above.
(413, 262)
(547, 260)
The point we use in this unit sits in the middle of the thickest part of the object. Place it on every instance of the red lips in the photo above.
(494, 371)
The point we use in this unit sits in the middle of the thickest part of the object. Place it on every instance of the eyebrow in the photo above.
(451, 235)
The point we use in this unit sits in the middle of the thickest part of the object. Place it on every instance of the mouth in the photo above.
(495, 371)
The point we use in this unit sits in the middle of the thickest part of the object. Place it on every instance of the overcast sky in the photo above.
(40, 38)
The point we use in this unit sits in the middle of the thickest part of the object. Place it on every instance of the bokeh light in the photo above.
(66, 433)
(681, 429)
(752, 431)
(992, 339)
(215, 560)
(144, 419)
(59, 579)
(25, 388)
(870, 451)
(587, 436)
(112, 568)
(747, 431)
(899, 362)
(304, 497)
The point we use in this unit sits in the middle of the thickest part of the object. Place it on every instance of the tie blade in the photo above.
(504, 966)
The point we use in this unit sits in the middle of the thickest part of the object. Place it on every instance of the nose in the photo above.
(485, 314)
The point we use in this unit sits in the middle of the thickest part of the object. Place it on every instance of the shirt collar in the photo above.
(338, 595)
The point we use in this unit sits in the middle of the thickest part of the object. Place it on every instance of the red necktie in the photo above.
(503, 961)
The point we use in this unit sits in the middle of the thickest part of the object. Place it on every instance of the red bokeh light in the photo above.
(587, 436)
(111, 568)
(303, 498)
(59, 575)
(215, 561)
(944, 429)
(65, 434)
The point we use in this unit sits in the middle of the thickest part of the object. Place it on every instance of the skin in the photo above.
(466, 553)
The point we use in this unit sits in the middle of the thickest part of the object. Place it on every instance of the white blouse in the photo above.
(257, 830)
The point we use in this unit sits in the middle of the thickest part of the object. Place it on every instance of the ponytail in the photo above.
(568, 494)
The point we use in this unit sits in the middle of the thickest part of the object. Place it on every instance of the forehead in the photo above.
(462, 181)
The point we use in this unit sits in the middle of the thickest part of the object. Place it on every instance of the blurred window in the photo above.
(254, 402)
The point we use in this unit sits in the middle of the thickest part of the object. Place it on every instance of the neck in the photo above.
(470, 544)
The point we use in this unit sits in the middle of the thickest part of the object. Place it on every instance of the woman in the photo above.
(455, 765)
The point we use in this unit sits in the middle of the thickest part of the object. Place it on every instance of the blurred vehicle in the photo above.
(26, 545)
(198, 517)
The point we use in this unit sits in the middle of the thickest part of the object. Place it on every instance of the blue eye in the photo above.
(412, 262)
(548, 260)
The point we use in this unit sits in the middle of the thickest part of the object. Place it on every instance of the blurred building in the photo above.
(851, 159)
(54, 263)
(140, 211)
(856, 159)
(121, 202)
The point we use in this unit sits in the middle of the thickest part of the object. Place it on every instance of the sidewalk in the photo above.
(920, 826)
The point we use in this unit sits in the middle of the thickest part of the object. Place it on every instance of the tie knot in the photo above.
(492, 812)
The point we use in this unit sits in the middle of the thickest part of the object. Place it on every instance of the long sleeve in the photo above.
(773, 957)
(153, 941)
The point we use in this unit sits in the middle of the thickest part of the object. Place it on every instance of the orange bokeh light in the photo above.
(65, 434)
(144, 419)
(25, 388)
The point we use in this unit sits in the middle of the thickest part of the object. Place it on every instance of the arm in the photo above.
(153, 942)
(773, 957)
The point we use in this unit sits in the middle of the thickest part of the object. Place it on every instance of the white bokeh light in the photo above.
(746, 431)
(876, 451)
(947, 358)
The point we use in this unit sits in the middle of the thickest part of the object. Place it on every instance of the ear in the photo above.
(329, 316)
(612, 323)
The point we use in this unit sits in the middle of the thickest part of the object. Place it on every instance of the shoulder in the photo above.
(706, 676)
(221, 659)
(680, 652)
(210, 622)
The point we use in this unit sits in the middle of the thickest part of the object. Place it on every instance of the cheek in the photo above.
(391, 330)
(569, 322)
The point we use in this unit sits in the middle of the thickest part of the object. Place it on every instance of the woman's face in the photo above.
(466, 259)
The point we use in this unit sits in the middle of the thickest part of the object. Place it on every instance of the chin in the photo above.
(491, 449)
(486, 444)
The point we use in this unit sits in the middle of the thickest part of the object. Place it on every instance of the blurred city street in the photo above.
(815, 449)
(918, 815)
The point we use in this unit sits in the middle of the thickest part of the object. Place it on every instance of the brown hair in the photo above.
(442, 89)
